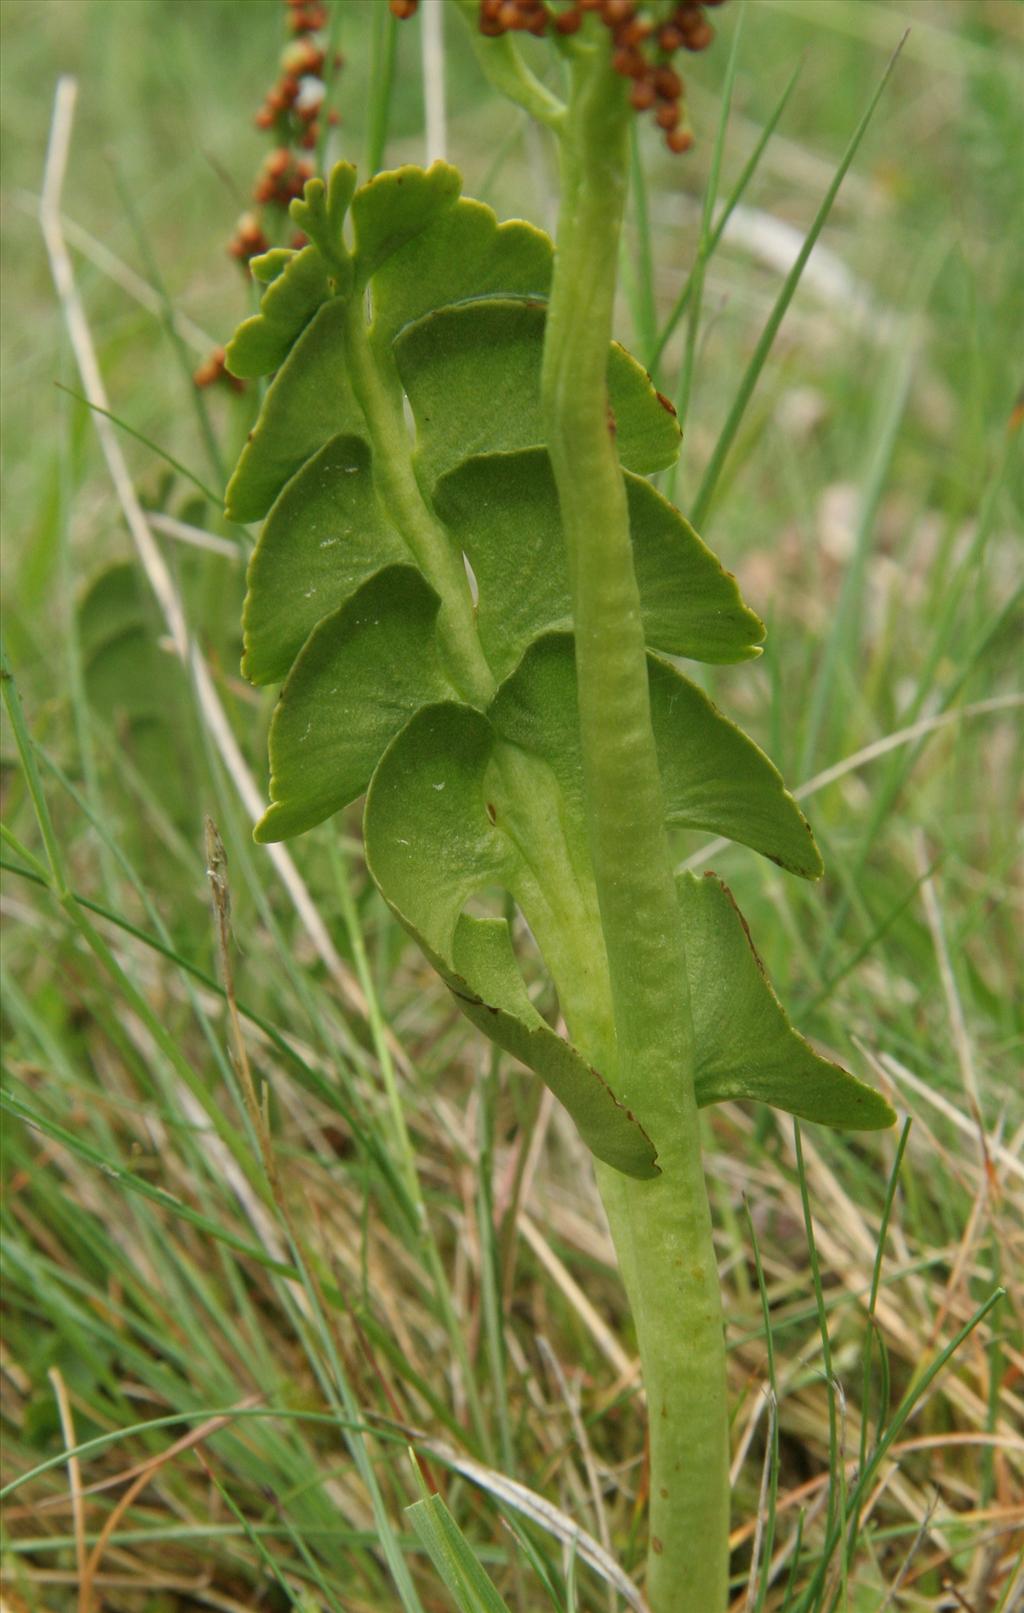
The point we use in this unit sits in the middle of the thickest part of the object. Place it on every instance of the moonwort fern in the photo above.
(416, 592)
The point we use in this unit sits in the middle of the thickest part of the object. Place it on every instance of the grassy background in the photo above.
(443, 1265)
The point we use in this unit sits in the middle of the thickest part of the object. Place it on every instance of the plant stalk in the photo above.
(402, 496)
(662, 1229)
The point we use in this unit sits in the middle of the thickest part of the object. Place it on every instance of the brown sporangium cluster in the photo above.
(214, 369)
(291, 113)
(645, 38)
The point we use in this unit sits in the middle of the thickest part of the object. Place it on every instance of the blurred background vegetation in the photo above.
(872, 509)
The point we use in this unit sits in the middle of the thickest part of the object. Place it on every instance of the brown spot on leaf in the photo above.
(464, 997)
(656, 1546)
(629, 1115)
(666, 403)
(746, 927)
(492, 811)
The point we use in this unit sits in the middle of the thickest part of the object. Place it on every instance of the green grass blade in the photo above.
(768, 1542)
(687, 372)
(27, 757)
(914, 1395)
(745, 391)
(453, 1557)
(216, 499)
(138, 1184)
(171, 324)
(876, 1277)
(407, 1160)
(893, 392)
(735, 196)
(641, 278)
(383, 46)
(328, 1091)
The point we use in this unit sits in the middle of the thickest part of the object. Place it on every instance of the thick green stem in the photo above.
(662, 1229)
(395, 480)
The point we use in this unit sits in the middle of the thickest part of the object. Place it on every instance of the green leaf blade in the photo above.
(324, 537)
(746, 1047)
(429, 840)
(691, 605)
(263, 342)
(362, 673)
(464, 256)
(472, 375)
(647, 431)
(502, 509)
(396, 206)
(715, 777)
(453, 1557)
(308, 402)
(484, 958)
(320, 212)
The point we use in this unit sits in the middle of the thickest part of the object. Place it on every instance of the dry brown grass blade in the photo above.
(598, 1329)
(67, 1423)
(571, 1403)
(195, 1436)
